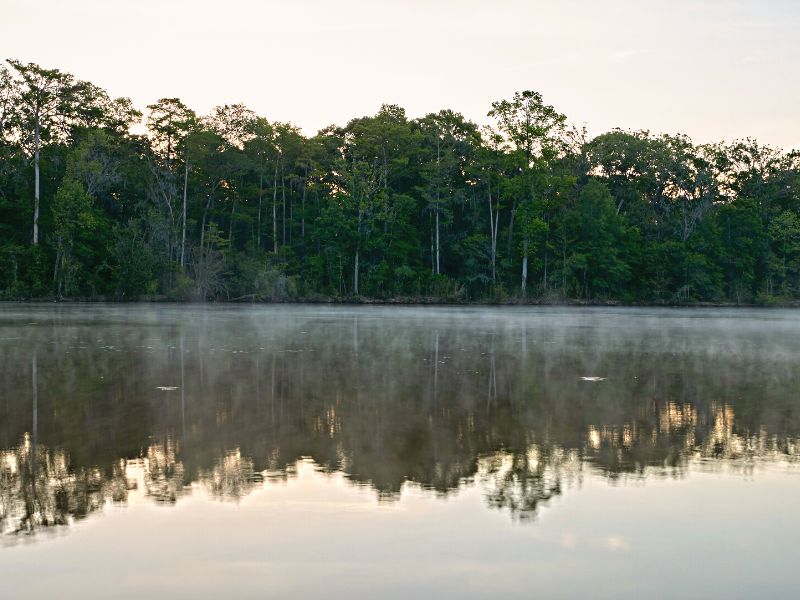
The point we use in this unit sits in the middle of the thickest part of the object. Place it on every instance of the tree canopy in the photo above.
(233, 206)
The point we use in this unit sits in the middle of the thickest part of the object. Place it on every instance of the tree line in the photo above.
(232, 206)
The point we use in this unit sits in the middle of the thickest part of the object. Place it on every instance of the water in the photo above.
(255, 452)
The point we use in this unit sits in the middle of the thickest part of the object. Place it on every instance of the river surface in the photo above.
(397, 452)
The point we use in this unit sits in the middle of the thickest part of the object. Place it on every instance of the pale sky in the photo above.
(714, 69)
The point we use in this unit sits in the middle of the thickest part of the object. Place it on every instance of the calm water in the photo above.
(252, 452)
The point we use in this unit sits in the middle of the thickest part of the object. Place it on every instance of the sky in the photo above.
(713, 69)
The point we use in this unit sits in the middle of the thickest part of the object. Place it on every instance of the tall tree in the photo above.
(260, 148)
(450, 142)
(46, 102)
(535, 132)
(170, 121)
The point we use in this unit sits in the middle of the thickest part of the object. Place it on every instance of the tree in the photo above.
(535, 132)
(259, 147)
(487, 174)
(740, 235)
(362, 200)
(449, 140)
(46, 101)
(97, 110)
(72, 216)
(784, 235)
(9, 99)
(383, 206)
(92, 177)
(170, 121)
(594, 244)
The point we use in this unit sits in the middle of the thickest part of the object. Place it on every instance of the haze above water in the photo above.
(251, 452)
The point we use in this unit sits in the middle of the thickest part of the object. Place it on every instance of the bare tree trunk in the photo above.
(283, 203)
(203, 227)
(37, 140)
(183, 223)
(341, 275)
(230, 225)
(260, 199)
(303, 207)
(58, 259)
(494, 243)
(511, 227)
(545, 267)
(275, 210)
(524, 265)
(438, 272)
(438, 177)
(433, 248)
(355, 274)
(494, 220)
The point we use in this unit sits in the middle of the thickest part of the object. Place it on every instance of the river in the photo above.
(331, 451)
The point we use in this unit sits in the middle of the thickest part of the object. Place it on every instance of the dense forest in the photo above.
(232, 206)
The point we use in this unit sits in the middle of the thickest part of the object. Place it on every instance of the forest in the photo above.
(231, 206)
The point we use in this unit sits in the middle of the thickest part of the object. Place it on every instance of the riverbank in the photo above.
(419, 301)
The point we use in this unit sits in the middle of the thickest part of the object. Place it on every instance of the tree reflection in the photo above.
(232, 477)
(39, 488)
(159, 409)
(520, 482)
(162, 473)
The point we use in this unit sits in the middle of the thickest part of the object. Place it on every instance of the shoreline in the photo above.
(427, 302)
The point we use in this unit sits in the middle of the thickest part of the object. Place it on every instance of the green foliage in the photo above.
(740, 239)
(73, 221)
(24, 272)
(133, 263)
(784, 267)
(232, 207)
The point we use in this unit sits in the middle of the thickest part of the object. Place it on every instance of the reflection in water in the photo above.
(100, 404)
(232, 476)
(520, 482)
(162, 474)
(39, 488)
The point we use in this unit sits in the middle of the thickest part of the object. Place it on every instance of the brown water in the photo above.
(252, 452)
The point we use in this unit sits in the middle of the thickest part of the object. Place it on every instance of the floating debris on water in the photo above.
(593, 379)
(167, 388)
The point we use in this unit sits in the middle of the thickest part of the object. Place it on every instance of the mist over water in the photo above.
(495, 435)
